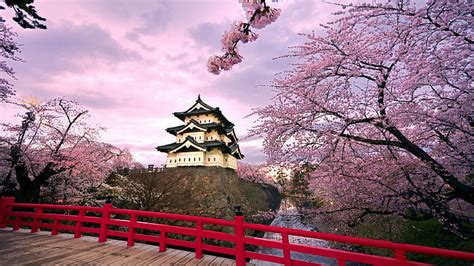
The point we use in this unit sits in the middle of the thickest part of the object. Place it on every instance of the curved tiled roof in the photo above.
(208, 126)
(200, 111)
(208, 145)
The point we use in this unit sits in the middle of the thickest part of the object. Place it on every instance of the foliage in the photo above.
(25, 14)
(83, 189)
(9, 49)
(56, 142)
(138, 191)
(299, 182)
(426, 233)
(254, 173)
(259, 15)
(26, 17)
(282, 179)
(382, 105)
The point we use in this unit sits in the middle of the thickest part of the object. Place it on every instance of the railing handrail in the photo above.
(239, 238)
(385, 244)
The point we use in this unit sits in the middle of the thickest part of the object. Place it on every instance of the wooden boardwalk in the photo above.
(24, 248)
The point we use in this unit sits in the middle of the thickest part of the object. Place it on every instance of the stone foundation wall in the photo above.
(212, 192)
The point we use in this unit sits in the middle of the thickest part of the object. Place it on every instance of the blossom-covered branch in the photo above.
(259, 15)
(382, 104)
(55, 140)
(9, 49)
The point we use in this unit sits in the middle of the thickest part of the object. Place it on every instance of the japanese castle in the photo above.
(207, 138)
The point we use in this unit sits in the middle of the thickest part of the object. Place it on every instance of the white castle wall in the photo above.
(212, 158)
(203, 119)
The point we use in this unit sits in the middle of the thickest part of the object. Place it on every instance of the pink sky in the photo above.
(133, 63)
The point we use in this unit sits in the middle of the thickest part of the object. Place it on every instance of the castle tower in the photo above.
(206, 138)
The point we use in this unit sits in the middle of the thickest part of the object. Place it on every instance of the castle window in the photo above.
(194, 159)
(199, 159)
(208, 159)
(214, 159)
(189, 159)
(174, 160)
(171, 161)
(179, 159)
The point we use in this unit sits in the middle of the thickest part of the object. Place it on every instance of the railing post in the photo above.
(36, 220)
(199, 240)
(104, 222)
(55, 229)
(401, 257)
(162, 241)
(78, 226)
(239, 237)
(286, 249)
(5, 210)
(17, 223)
(131, 230)
(341, 262)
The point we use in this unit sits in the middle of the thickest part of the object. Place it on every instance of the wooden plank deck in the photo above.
(25, 248)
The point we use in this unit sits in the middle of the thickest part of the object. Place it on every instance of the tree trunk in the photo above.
(29, 189)
(29, 193)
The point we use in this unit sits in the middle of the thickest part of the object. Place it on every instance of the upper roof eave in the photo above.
(207, 109)
(199, 101)
(193, 142)
(207, 126)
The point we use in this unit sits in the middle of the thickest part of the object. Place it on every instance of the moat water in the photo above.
(288, 216)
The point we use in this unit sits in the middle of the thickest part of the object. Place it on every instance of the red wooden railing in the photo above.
(16, 214)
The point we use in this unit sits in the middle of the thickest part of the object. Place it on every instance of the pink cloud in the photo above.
(133, 63)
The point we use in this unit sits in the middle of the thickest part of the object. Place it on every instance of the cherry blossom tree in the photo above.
(257, 173)
(259, 15)
(27, 17)
(383, 105)
(55, 139)
(8, 51)
(83, 187)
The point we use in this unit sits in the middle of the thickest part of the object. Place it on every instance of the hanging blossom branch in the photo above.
(259, 15)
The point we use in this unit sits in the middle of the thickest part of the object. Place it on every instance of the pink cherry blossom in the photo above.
(8, 50)
(259, 15)
(56, 141)
(265, 17)
(383, 106)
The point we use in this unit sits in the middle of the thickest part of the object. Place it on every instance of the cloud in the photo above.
(252, 154)
(250, 80)
(122, 10)
(70, 48)
(134, 92)
(208, 35)
(177, 57)
(155, 20)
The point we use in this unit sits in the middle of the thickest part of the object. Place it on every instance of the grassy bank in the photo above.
(426, 233)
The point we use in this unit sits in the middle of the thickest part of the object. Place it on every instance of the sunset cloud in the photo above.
(134, 63)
